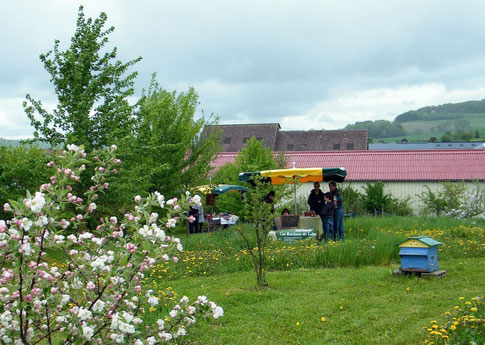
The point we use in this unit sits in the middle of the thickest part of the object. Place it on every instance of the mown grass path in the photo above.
(364, 305)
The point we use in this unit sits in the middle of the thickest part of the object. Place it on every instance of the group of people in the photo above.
(330, 207)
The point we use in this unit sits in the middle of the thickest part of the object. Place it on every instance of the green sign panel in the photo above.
(293, 235)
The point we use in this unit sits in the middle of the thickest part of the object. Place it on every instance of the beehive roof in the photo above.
(424, 239)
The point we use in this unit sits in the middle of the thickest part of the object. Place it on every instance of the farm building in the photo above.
(234, 138)
(404, 173)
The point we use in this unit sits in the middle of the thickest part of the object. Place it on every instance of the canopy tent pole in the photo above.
(294, 188)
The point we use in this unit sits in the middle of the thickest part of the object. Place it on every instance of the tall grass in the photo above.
(369, 241)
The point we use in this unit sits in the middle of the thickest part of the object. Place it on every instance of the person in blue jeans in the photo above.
(327, 217)
(338, 215)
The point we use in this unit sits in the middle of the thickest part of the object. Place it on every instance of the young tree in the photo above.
(433, 201)
(168, 151)
(257, 212)
(375, 199)
(253, 157)
(91, 89)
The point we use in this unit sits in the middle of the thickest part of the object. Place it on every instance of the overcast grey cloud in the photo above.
(304, 64)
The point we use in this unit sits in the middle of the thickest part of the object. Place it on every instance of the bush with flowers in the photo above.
(466, 325)
(98, 295)
(472, 204)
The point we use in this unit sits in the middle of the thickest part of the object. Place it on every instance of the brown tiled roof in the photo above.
(235, 136)
(321, 140)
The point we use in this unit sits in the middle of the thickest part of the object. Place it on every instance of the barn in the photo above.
(404, 173)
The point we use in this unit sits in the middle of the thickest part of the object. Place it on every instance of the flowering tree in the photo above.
(472, 204)
(99, 295)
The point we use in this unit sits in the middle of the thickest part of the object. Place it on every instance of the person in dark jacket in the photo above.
(327, 217)
(315, 199)
(194, 226)
(338, 216)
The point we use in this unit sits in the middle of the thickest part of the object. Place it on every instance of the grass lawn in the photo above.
(348, 283)
(364, 305)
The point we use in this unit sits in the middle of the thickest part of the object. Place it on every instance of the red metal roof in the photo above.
(432, 165)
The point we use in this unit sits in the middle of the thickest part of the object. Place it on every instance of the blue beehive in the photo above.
(419, 254)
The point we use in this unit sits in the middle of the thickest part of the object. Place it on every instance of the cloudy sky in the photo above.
(306, 64)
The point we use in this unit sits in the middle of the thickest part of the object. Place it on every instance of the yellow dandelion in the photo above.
(474, 309)
(323, 319)
(341, 307)
(461, 298)
(453, 327)
(298, 323)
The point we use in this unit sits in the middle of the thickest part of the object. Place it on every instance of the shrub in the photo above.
(352, 200)
(472, 204)
(400, 207)
(375, 199)
(21, 169)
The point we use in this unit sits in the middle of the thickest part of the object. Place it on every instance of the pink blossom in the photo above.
(191, 219)
(50, 164)
(67, 171)
(106, 185)
(115, 171)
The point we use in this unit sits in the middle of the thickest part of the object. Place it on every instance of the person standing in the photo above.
(194, 225)
(315, 199)
(338, 216)
(316, 202)
(327, 218)
(201, 218)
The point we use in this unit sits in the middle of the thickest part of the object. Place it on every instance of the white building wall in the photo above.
(398, 189)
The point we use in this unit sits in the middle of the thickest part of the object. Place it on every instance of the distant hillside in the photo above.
(453, 121)
(10, 142)
(450, 111)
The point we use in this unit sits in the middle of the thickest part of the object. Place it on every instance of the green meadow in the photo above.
(323, 293)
